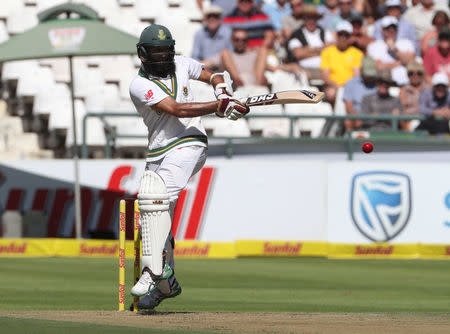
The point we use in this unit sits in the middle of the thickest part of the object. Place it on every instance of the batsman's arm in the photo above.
(181, 110)
(233, 109)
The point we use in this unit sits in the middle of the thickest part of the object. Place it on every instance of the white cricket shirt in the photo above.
(165, 131)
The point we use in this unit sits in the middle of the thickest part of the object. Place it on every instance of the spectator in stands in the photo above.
(380, 103)
(409, 94)
(294, 21)
(340, 62)
(390, 52)
(211, 39)
(360, 39)
(276, 10)
(437, 58)
(246, 16)
(328, 11)
(245, 66)
(345, 10)
(440, 21)
(358, 87)
(308, 41)
(433, 102)
(421, 16)
(405, 29)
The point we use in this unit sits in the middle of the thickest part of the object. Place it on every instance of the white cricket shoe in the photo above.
(144, 286)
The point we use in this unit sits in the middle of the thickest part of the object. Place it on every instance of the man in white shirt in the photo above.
(308, 41)
(392, 53)
(176, 149)
(420, 16)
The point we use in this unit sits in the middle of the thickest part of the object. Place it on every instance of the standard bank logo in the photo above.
(380, 204)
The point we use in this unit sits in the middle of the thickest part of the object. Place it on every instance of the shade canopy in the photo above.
(59, 35)
(53, 37)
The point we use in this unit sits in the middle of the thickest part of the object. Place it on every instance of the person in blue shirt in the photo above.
(358, 87)
(405, 29)
(211, 39)
(276, 10)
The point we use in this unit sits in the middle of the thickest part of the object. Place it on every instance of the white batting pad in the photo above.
(155, 220)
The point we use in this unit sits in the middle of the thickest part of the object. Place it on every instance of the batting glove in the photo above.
(232, 109)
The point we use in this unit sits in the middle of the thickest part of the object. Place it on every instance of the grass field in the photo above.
(241, 285)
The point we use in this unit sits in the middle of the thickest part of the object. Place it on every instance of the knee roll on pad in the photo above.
(155, 221)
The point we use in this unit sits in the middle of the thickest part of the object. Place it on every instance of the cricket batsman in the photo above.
(177, 145)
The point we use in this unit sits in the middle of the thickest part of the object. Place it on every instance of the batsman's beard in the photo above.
(159, 69)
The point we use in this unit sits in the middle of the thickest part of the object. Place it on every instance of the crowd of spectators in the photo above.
(385, 57)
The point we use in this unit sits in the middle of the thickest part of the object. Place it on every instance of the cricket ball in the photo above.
(367, 147)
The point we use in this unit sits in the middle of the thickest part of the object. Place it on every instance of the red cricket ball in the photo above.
(367, 147)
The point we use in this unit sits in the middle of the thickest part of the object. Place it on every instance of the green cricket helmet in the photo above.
(157, 62)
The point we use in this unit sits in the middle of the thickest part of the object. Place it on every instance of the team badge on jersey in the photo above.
(148, 95)
(185, 91)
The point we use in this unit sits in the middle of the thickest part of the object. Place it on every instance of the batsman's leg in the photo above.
(155, 224)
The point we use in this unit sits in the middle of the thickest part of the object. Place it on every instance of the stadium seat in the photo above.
(305, 126)
(126, 3)
(61, 108)
(86, 79)
(4, 36)
(227, 128)
(104, 8)
(182, 30)
(59, 67)
(191, 10)
(267, 127)
(95, 135)
(9, 7)
(125, 20)
(149, 13)
(11, 224)
(21, 20)
(46, 4)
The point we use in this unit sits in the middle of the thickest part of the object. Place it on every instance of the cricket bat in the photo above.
(285, 97)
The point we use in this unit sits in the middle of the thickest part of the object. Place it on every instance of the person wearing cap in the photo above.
(380, 103)
(440, 21)
(340, 62)
(437, 58)
(421, 16)
(358, 87)
(308, 41)
(435, 102)
(409, 94)
(405, 29)
(360, 39)
(346, 9)
(211, 39)
(248, 17)
(391, 52)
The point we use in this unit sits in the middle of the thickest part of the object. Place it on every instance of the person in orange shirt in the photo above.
(340, 62)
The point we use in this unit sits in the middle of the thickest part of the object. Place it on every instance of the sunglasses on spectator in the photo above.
(211, 16)
(411, 73)
(245, 1)
(235, 39)
(343, 34)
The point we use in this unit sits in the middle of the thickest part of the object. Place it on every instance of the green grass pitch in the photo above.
(247, 284)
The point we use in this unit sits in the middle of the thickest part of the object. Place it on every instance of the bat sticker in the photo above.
(308, 94)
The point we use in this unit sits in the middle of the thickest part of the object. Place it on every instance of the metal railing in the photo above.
(348, 140)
